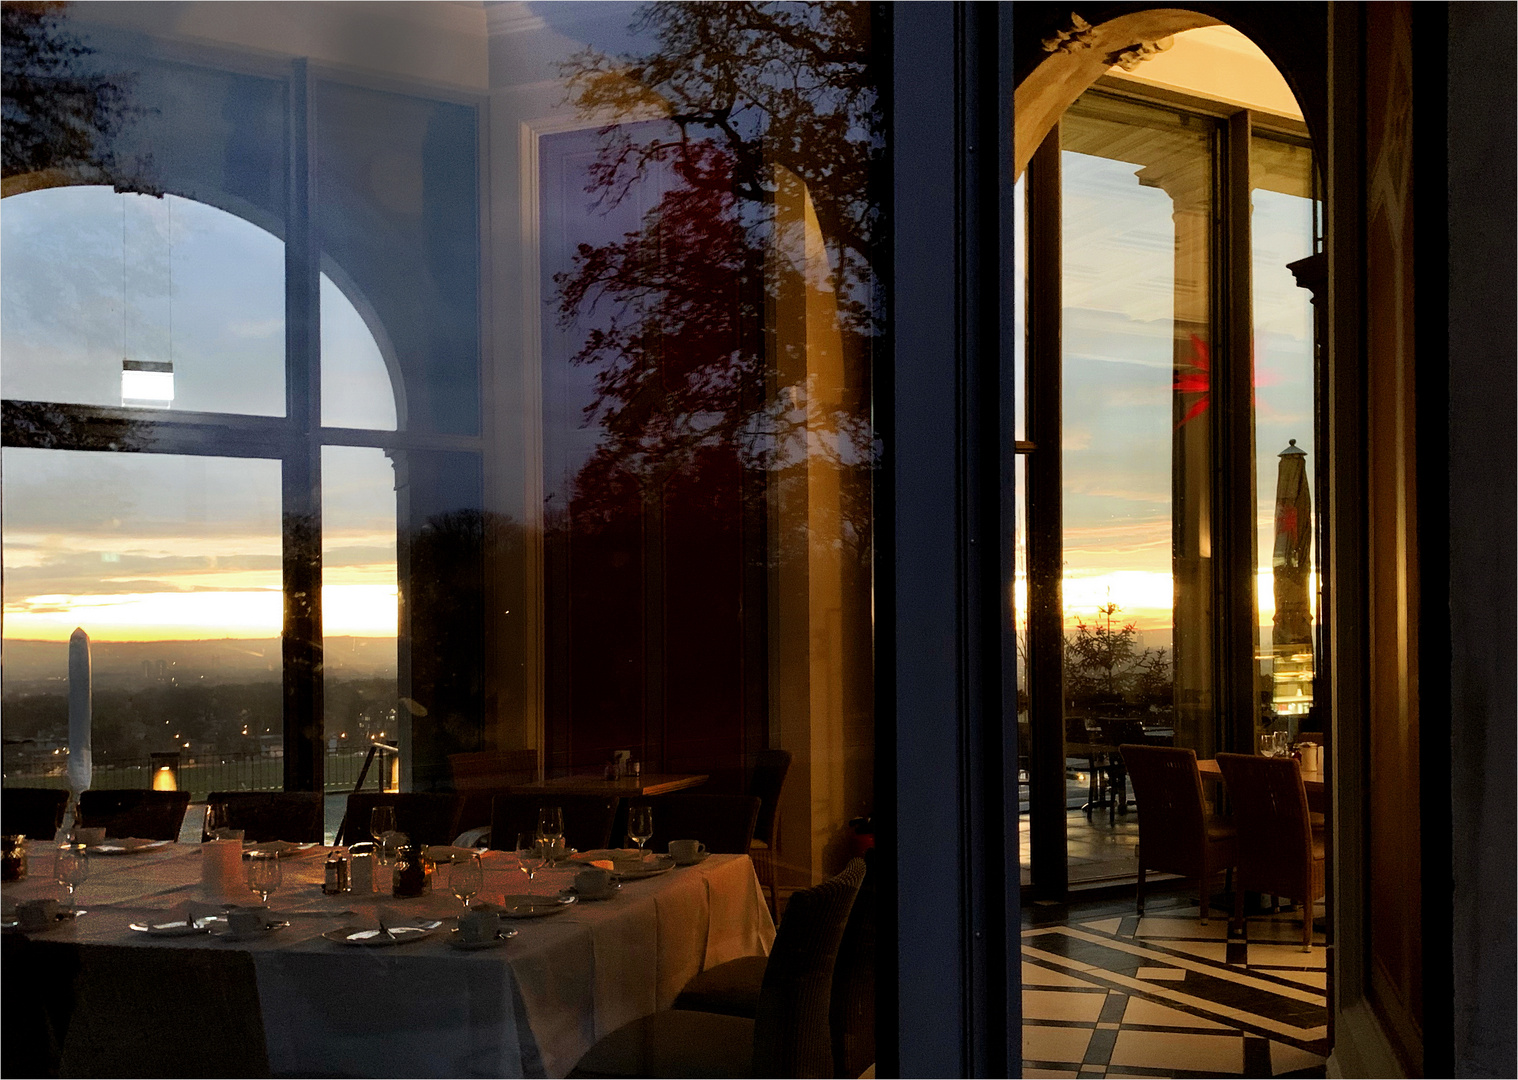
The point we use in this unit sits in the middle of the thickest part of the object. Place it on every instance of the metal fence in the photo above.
(223, 772)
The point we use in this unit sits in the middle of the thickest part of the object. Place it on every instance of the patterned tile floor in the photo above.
(1107, 993)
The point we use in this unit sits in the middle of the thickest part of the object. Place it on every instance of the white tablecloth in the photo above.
(529, 1008)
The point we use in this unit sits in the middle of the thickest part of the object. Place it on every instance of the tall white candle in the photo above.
(81, 764)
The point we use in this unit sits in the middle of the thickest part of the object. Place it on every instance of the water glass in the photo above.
(529, 854)
(466, 879)
(640, 824)
(71, 866)
(381, 824)
(264, 873)
(550, 829)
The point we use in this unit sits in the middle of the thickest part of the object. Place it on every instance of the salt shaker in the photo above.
(336, 879)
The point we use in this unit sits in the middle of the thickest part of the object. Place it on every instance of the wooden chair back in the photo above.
(36, 813)
(766, 783)
(296, 816)
(138, 812)
(487, 769)
(1172, 813)
(1270, 813)
(587, 818)
(426, 817)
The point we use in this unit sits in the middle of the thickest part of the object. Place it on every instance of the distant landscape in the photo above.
(202, 698)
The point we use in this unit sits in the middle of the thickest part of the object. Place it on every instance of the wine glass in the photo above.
(529, 854)
(264, 873)
(466, 879)
(551, 829)
(71, 866)
(640, 824)
(382, 823)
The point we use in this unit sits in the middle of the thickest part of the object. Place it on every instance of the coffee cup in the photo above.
(476, 926)
(593, 883)
(37, 914)
(248, 920)
(687, 852)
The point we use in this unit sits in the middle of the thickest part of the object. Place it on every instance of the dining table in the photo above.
(626, 787)
(1312, 779)
(530, 1005)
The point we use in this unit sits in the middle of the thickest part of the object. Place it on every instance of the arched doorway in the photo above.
(1168, 350)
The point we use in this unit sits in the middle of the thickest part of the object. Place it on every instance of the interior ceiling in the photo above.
(1220, 63)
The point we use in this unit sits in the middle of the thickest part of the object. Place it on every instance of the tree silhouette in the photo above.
(1103, 664)
(768, 105)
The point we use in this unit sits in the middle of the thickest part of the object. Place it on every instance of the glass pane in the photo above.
(1282, 233)
(357, 391)
(1019, 310)
(360, 605)
(398, 216)
(172, 566)
(122, 299)
(1137, 204)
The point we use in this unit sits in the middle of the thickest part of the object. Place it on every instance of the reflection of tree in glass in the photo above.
(58, 114)
(778, 124)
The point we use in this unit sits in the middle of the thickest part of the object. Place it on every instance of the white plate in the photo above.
(456, 939)
(226, 933)
(373, 937)
(177, 928)
(533, 907)
(282, 849)
(126, 846)
(650, 867)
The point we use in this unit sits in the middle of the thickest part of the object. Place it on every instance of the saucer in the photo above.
(609, 894)
(456, 939)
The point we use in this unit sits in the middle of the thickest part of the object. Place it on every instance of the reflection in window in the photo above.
(112, 299)
(1282, 232)
(172, 566)
(1137, 209)
(359, 596)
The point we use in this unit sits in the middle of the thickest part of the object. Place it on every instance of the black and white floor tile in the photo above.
(1108, 994)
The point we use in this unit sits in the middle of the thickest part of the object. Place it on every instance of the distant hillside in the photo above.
(136, 663)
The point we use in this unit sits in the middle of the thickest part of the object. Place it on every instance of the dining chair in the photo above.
(587, 818)
(767, 781)
(297, 816)
(1176, 834)
(427, 817)
(733, 988)
(1280, 853)
(789, 1034)
(485, 770)
(137, 812)
(724, 823)
(36, 813)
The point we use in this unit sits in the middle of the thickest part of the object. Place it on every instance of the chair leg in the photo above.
(1238, 905)
(1140, 889)
(1204, 886)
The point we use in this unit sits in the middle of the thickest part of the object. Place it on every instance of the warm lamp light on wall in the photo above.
(147, 384)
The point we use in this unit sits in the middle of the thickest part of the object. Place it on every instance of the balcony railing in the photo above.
(204, 773)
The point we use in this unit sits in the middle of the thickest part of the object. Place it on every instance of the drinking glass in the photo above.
(263, 873)
(71, 866)
(529, 854)
(551, 829)
(1267, 744)
(640, 824)
(466, 879)
(216, 819)
(382, 822)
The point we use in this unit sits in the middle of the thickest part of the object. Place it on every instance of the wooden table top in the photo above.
(627, 787)
(1311, 780)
